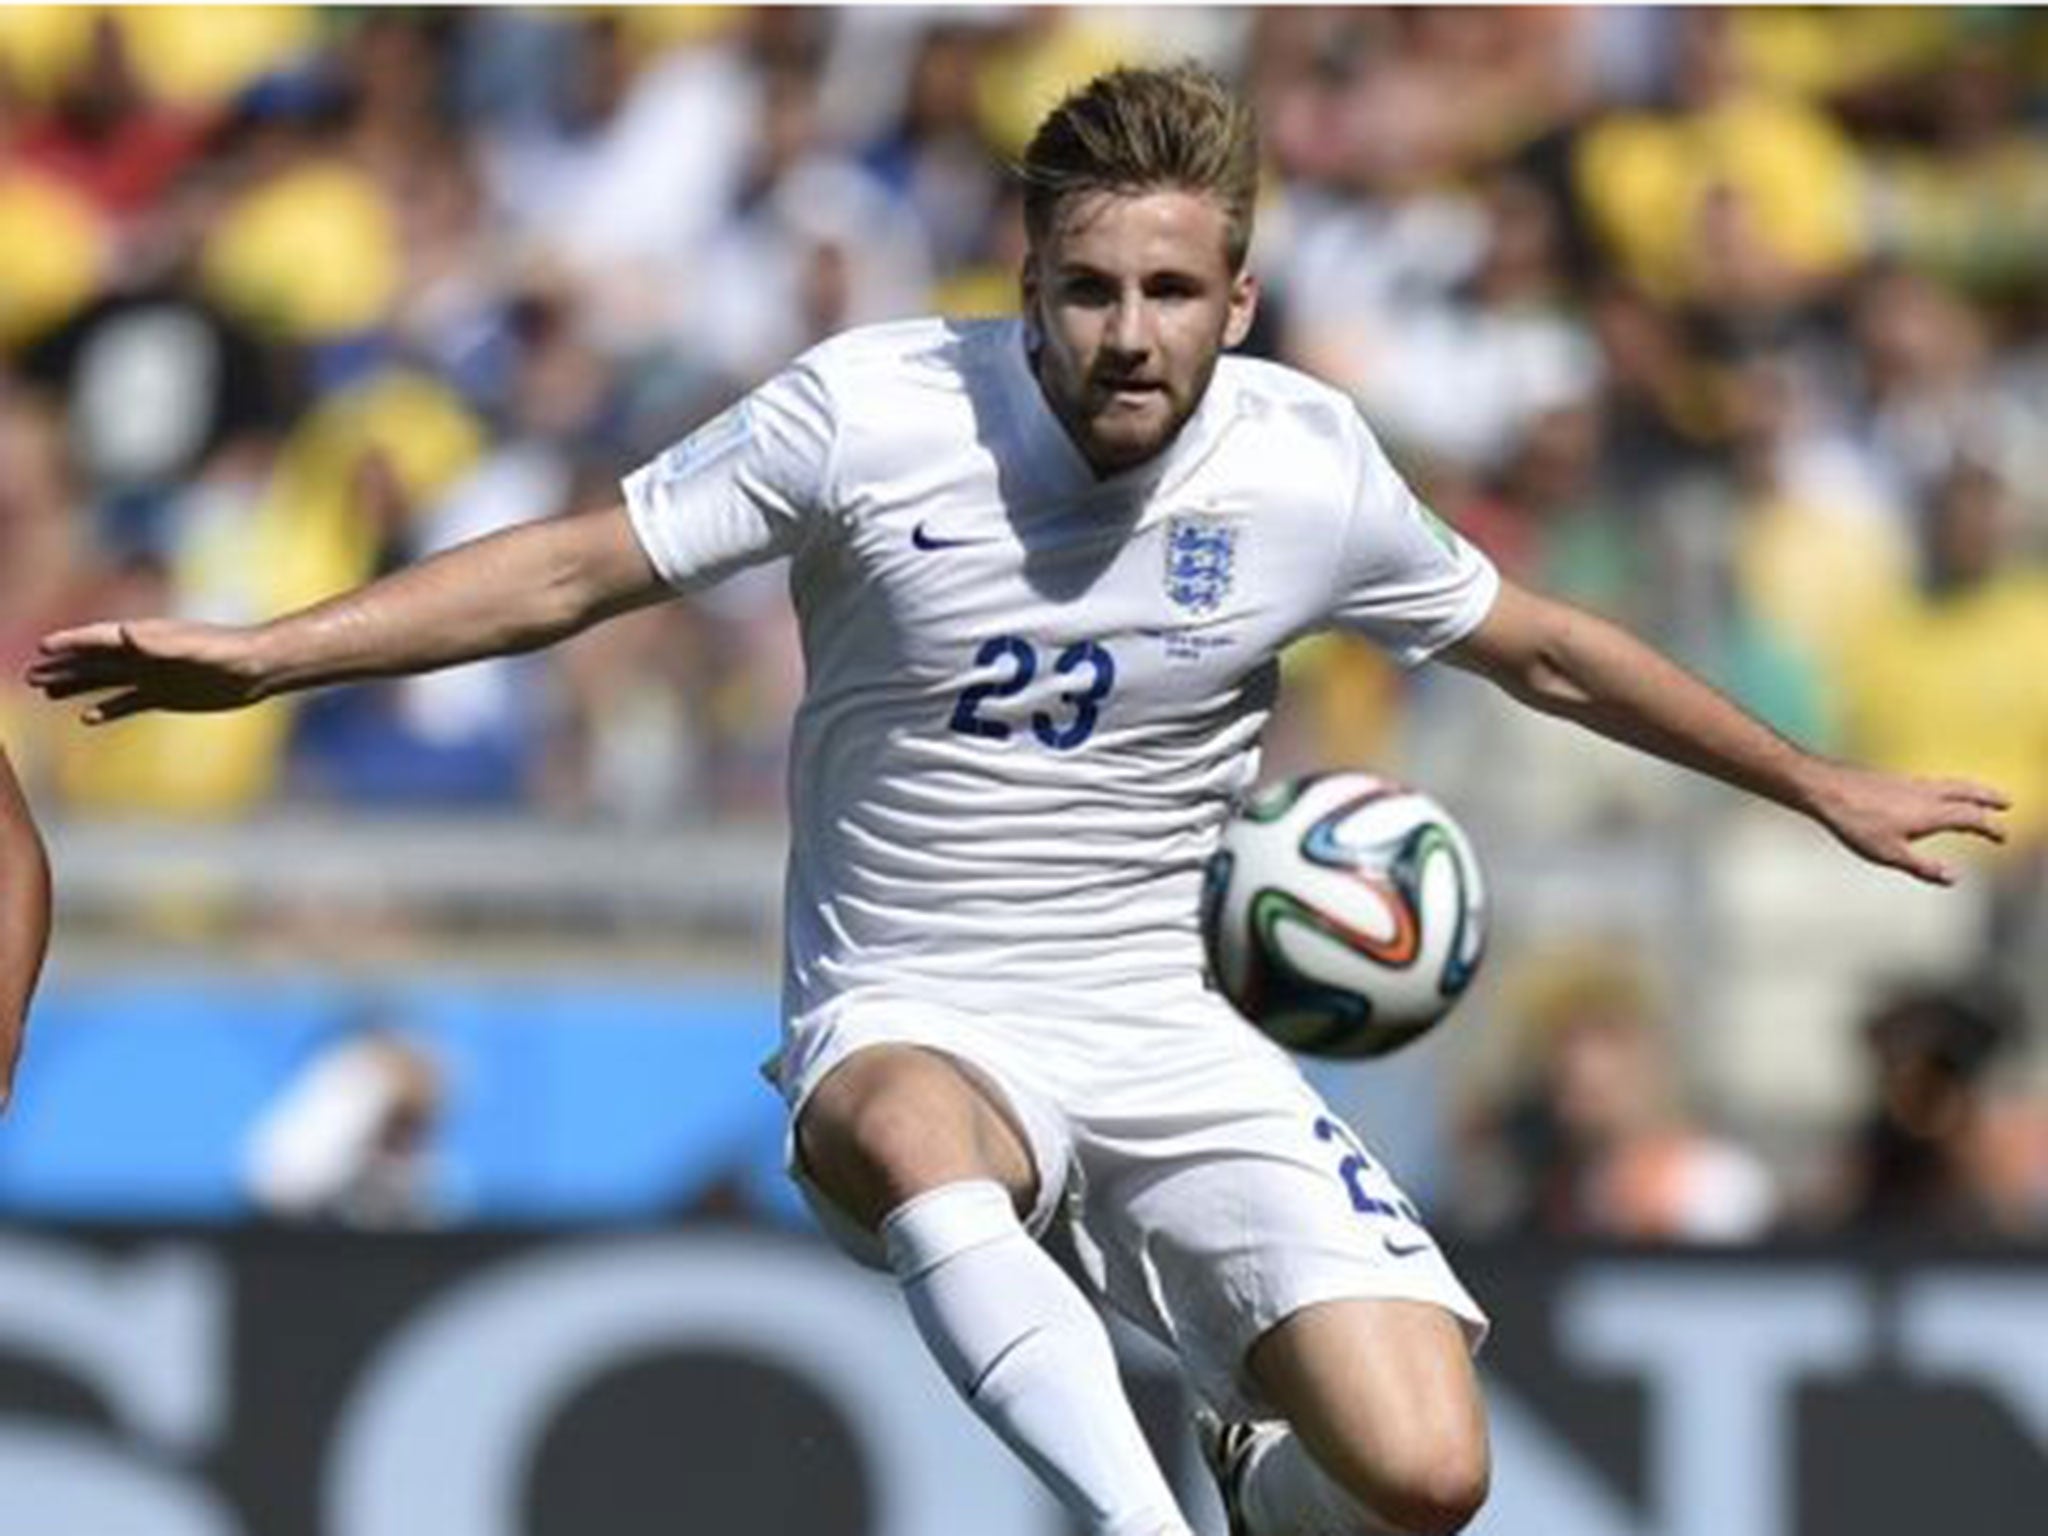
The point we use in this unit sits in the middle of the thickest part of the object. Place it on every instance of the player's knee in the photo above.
(1438, 1490)
(898, 1135)
(874, 1141)
(864, 1148)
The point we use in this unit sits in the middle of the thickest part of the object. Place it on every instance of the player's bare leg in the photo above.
(910, 1146)
(24, 919)
(893, 1121)
(1386, 1425)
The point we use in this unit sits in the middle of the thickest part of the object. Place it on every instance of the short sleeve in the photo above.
(1406, 580)
(741, 489)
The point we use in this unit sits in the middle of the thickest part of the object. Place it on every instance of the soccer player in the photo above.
(1043, 568)
(24, 920)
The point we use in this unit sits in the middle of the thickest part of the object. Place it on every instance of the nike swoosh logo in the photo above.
(1403, 1250)
(920, 538)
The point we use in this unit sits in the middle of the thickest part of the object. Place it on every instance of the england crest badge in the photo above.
(1200, 556)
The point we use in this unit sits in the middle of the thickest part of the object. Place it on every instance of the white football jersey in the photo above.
(1032, 694)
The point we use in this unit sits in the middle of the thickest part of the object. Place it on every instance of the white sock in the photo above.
(1029, 1354)
(1282, 1492)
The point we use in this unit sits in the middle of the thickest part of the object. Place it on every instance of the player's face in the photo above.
(1131, 297)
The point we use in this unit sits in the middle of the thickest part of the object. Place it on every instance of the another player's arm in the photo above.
(519, 590)
(24, 920)
(1567, 662)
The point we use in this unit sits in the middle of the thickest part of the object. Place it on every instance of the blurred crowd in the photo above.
(1598, 1134)
(1730, 323)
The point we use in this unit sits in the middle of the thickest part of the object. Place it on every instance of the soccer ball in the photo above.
(1343, 914)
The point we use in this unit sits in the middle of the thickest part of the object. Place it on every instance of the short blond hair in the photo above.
(1140, 130)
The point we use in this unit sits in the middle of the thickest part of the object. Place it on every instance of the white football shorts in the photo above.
(1209, 1191)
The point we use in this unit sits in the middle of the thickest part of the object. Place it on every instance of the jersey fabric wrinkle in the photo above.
(1015, 753)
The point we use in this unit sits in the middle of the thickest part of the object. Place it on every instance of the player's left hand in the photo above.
(145, 664)
(1882, 816)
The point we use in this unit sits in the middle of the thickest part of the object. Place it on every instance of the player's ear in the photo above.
(1244, 304)
(1027, 288)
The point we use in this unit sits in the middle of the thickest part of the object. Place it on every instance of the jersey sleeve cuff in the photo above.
(645, 518)
(1470, 614)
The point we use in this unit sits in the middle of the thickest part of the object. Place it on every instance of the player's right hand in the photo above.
(144, 664)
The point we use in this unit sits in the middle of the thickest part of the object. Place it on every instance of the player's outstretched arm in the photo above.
(24, 920)
(514, 591)
(1568, 663)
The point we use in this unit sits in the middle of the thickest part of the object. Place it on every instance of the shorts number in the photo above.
(1354, 1168)
(1085, 702)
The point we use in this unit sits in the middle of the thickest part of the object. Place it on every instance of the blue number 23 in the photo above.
(1020, 663)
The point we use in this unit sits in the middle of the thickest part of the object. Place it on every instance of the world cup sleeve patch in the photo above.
(723, 434)
(1201, 559)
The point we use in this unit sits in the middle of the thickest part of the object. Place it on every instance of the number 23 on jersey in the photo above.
(1013, 663)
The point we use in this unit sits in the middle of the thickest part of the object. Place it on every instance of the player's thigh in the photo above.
(1384, 1394)
(1241, 1200)
(892, 1121)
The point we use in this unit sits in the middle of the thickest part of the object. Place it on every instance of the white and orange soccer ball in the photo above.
(1343, 914)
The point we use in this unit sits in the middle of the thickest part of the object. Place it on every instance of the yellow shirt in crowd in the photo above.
(1959, 685)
